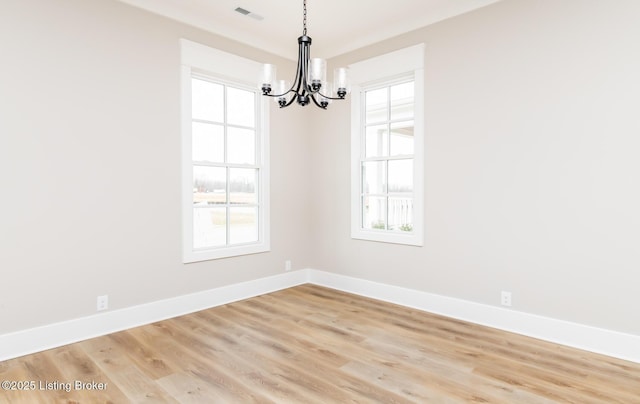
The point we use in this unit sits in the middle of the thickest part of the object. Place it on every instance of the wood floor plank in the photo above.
(112, 360)
(150, 361)
(254, 383)
(76, 367)
(13, 394)
(198, 361)
(332, 344)
(311, 344)
(332, 385)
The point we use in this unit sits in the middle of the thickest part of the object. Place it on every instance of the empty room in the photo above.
(320, 201)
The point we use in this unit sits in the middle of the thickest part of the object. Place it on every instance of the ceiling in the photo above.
(336, 26)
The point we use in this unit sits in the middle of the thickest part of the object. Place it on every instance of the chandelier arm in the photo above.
(303, 67)
(279, 95)
(295, 81)
(329, 98)
(288, 102)
(313, 98)
(307, 60)
(307, 80)
(301, 87)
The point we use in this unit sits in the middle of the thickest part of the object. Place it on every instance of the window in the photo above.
(225, 156)
(387, 148)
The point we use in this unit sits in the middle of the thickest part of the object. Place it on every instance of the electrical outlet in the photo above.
(505, 298)
(287, 265)
(102, 302)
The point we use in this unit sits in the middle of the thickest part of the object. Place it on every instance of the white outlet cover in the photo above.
(505, 298)
(102, 302)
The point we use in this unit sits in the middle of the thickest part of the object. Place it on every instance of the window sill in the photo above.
(223, 252)
(412, 239)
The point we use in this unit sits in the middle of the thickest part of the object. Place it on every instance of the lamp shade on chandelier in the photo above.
(310, 83)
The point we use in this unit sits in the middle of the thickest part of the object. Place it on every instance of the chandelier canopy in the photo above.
(310, 84)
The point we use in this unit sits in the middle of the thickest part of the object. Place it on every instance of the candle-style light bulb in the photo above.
(282, 88)
(267, 78)
(341, 81)
(317, 73)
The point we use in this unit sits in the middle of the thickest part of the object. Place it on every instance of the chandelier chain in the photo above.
(304, 18)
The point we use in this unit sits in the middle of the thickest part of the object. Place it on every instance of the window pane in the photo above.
(241, 146)
(374, 212)
(401, 175)
(376, 142)
(208, 142)
(401, 138)
(376, 105)
(400, 214)
(243, 225)
(209, 185)
(207, 100)
(242, 185)
(209, 227)
(373, 177)
(240, 107)
(402, 101)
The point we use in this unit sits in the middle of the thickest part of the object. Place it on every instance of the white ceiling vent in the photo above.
(249, 13)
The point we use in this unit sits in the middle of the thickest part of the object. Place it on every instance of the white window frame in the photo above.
(369, 74)
(198, 59)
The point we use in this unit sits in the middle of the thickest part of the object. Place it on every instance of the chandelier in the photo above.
(310, 84)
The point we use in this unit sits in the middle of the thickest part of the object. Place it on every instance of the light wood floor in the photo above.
(310, 344)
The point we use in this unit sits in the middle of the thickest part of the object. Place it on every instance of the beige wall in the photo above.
(532, 171)
(90, 164)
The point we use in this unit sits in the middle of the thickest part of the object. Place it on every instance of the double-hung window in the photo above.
(225, 156)
(387, 148)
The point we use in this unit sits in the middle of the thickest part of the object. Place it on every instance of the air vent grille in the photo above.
(242, 11)
(249, 13)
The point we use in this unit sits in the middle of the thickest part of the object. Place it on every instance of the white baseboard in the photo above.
(606, 342)
(38, 339)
